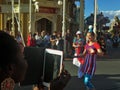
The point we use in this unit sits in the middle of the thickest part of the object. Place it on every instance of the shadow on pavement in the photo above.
(107, 82)
(101, 82)
(75, 84)
(107, 76)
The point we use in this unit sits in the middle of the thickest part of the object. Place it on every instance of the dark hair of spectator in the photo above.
(8, 50)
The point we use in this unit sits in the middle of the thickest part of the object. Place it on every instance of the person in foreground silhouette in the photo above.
(12, 63)
(13, 66)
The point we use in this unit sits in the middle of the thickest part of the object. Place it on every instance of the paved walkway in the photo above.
(107, 76)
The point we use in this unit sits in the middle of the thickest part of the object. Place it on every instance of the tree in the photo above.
(101, 20)
(114, 26)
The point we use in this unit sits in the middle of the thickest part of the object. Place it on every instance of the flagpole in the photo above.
(95, 17)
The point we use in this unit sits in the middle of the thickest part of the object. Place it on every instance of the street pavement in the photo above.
(107, 76)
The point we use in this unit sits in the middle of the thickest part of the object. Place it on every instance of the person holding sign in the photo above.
(78, 44)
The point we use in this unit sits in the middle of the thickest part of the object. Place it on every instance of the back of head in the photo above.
(8, 49)
(12, 63)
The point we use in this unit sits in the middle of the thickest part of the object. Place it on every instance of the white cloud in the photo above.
(111, 14)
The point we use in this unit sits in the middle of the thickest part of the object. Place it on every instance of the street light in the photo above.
(60, 2)
(36, 4)
(30, 13)
(13, 25)
(95, 16)
(19, 22)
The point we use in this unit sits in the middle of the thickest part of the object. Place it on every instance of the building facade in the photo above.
(20, 14)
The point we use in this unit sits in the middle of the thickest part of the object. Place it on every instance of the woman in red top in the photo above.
(30, 40)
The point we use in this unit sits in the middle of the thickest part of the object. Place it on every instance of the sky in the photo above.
(109, 8)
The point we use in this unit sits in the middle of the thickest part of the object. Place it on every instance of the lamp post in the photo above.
(36, 5)
(19, 22)
(30, 13)
(95, 16)
(13, 27)
(60, 2)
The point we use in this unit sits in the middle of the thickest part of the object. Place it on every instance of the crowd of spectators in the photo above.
(13, 66)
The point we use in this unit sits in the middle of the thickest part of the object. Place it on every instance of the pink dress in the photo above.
(89, 65)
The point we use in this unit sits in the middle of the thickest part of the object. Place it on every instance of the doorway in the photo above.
(44, 24)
